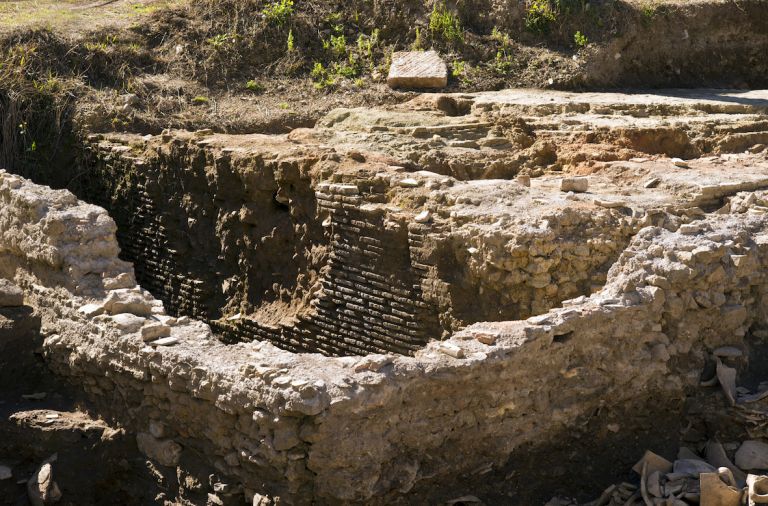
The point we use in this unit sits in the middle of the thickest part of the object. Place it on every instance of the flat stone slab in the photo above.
(417, 69)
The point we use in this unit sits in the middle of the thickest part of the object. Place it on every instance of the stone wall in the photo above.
(203, 263)
(318, 429)
(320, 252)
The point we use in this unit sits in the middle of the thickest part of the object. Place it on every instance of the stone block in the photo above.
(417, 69)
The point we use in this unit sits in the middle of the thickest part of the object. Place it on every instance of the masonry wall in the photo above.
(366, 429)
(216, 238)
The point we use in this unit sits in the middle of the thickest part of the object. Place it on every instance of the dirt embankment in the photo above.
(242, 66)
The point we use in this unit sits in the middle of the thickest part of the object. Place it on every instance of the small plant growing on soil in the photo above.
(446, 25)
(321, 76)
(279, 12)
(219, 41)
(458, 68)
(539, 15)
(580, 39)
(291, 42)
(338, 45)
(501, 63)
(418, 44)
(254, 86)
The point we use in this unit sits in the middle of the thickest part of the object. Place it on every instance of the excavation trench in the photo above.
(278, 248)
(492, 398)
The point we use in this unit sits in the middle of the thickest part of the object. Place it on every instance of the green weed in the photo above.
(221, 41)
(418, 44)
(279, 12)
(539, 15)
(338, 45)
(291, 42)
(254, 86)
(580, 39)
(446, 25)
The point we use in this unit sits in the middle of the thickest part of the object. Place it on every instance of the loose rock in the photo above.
(10, 294)
(752, 455)
(42, 490)
(574, 184)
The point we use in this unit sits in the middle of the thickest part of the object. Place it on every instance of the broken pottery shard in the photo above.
(574, 184)
(727, 351)
(652, 183)
(727, 476)
(261, 500)
(717, 457)
(417, 69)
(373, 363)
(166, 341)
(10, 294)
(655, 463)
(422, 217)
(752, 455)
(757, 490)
(467, 499)
(653, 484)
(451, 350)
(488, 337)
(716, 493)
(693, 467)
(727, 378)
(686, 453)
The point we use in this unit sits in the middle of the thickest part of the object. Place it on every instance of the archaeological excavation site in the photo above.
(384, 252)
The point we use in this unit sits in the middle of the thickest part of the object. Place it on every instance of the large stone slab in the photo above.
(417, 69)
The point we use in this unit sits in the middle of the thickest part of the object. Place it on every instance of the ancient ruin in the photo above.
(454, 297)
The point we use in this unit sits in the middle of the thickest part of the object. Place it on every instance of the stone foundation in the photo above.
(303, 426)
